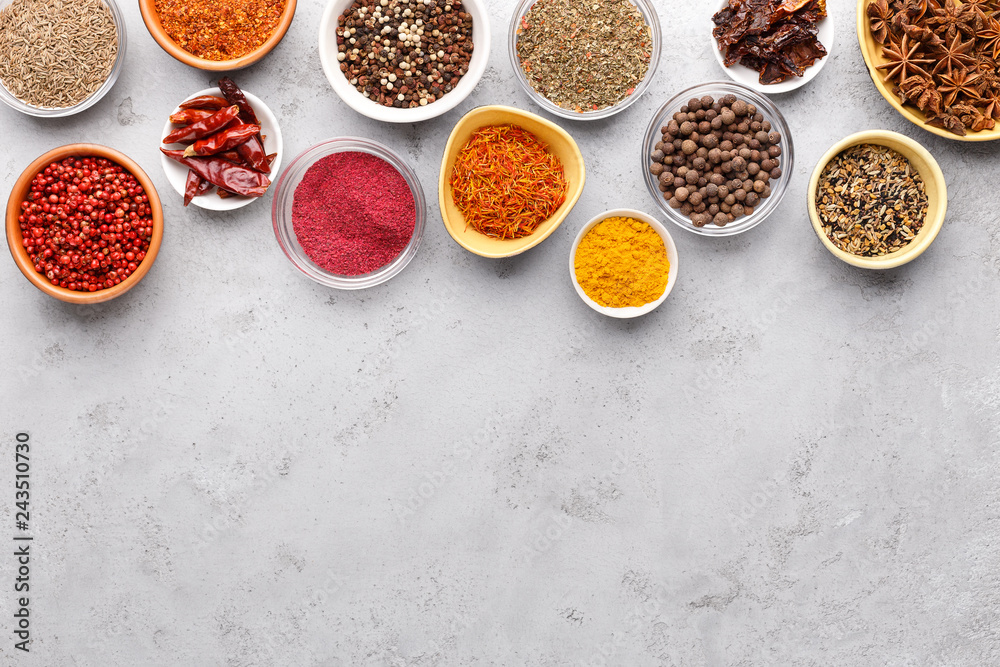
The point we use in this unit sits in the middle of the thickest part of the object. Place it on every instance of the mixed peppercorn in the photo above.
(404, 54)
(86, 223)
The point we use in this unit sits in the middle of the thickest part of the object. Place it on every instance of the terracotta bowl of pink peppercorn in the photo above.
(298, 172)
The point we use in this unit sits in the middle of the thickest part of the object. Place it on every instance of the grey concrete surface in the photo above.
(792, 462)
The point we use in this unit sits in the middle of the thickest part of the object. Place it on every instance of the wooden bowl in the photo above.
(559, 143)
(152, 20)
(872, 52)
(14, 238)
(934, 186)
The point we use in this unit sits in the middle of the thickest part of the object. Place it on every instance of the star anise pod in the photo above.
(902, 63)
(989, 37)
(972, 117)
(954, 55)
(948, 122)
(959, 83)
(921, 91)
(878, 20)
(981, 8)
(927, 37)
(953, 17)
(992, 108)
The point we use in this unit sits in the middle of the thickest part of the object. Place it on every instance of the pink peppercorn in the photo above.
(353, 213)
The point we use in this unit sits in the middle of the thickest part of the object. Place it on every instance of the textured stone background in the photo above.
(792, 462)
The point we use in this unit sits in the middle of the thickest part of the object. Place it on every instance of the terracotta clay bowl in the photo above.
(15, 240)
(152, 20)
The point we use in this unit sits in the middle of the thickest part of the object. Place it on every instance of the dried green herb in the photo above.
(584, 56)
(871, 201)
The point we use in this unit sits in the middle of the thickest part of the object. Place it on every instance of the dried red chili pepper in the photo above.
(224, 174)
(195, 186)
(188, 116)
(227, 139)
(253, 154)
(213, 102)
(235, 96)
(203, 128)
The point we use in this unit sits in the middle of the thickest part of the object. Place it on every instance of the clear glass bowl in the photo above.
(284, 194)
(116, 69)
(717, 89)
(652, 20)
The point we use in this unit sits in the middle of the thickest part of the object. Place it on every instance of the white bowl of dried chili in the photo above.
(98, 261)
(349, 213)
(334, 68)
(189, 30)
(177, 173)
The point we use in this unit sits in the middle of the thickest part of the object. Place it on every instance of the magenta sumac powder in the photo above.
(353, 213)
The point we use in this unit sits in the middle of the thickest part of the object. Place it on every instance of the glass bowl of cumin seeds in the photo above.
(558, 67)
(59, 57)
(895, 209)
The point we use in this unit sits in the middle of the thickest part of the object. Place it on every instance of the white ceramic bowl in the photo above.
(177, 173)
(668, 241)
(95, 97)
(363, 105)
(751, 78)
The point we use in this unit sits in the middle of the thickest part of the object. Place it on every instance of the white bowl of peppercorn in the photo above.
(84, 223)
(404, 62)
(717, 158)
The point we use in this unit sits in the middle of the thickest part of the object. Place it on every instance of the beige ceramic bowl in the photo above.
(152, 21)
(559, 144)
(934, 186)
(872, 52)
(15, 240)
(668, 243)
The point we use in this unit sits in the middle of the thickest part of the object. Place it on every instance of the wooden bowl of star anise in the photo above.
(936, 62)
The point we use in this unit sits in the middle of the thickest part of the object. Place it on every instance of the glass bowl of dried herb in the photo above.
(581, 60)
(59, 58)
(717, 158)
(877, 199)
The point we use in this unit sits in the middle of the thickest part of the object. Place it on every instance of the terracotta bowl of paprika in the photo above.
(557, 142)
(153, 222)
(211, 56)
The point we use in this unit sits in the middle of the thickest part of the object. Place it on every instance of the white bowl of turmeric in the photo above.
(623, 263)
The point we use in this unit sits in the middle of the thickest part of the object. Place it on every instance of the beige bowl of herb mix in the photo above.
(584, 59)
(877, 199)
(59, 57)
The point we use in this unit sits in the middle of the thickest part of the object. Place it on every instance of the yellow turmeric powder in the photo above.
(622, 262)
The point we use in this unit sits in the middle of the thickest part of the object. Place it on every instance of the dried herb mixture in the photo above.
(942, 58)
(56, 53)
(871, 201)
(777, 38)
(584, 55)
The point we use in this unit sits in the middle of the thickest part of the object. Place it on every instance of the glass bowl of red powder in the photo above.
(349, 213)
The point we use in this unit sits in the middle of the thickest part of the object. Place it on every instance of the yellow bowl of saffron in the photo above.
(623, 263)
(556, 141)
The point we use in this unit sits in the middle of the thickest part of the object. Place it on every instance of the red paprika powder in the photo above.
(353, 213)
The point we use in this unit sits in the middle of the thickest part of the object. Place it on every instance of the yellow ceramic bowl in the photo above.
(934, 186)
(872, 52)
(559, 144)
